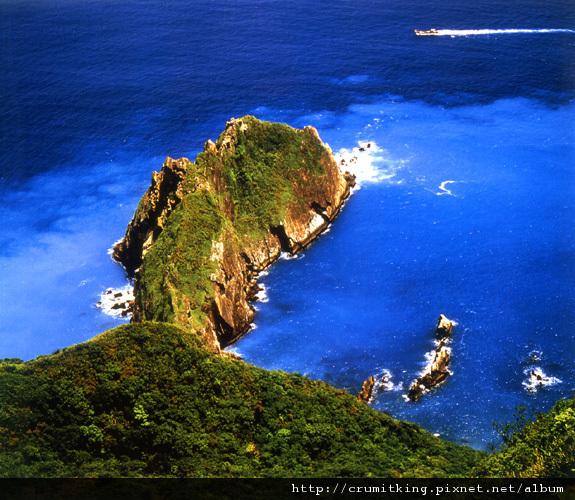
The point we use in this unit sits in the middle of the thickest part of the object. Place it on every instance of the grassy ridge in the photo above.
(263, 167)
(149, 400)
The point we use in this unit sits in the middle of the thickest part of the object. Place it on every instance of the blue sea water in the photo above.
(465, 208)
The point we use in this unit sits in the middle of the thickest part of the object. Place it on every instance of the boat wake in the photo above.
(497, 32)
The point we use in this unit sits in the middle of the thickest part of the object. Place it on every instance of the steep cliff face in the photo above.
(204, 230)
(164, 193)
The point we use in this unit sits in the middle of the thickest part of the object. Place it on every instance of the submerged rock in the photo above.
(204, 230)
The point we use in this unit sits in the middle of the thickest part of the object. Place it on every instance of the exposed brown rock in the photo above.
(437, 372)
(367, 390)
(239, 264)
(165, 192)
(444, 327)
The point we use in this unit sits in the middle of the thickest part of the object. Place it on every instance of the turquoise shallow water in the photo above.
(465, 209)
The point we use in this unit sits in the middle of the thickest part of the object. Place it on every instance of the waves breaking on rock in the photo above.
(436, 372)
(537, 378)
(117, 302)
(368, 162)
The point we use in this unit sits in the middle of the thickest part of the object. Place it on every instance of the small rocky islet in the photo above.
(437, 373)
(203, 231)
(434, 374)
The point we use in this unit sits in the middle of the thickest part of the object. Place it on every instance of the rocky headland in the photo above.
(203, 231)
(154, 398)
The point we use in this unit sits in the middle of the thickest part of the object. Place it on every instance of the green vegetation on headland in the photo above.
(149, 400)
(154, 399)
(204, 229)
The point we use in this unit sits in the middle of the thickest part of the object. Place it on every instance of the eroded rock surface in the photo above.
(444, 327)
(164, 194)
(367, 390)
(437, 371)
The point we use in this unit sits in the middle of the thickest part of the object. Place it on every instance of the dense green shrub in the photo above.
(542, 447)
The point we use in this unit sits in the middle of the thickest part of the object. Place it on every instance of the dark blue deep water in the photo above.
(465, 207)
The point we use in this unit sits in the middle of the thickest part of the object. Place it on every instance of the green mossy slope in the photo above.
(149, 400)
(261, 169)
(174, 278)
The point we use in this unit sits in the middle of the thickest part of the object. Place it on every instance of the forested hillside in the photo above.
(150, 400)
(541, 447)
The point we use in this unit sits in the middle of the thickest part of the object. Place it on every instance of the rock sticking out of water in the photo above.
(117, 302)
(367, 390)
(536, 379)
(437, 371)
(374, 384)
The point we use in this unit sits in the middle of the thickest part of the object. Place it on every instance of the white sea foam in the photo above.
(444, 190)
(262, 295)
(535, 355)
(368, 162)
(234, 350)
(498, 31)
(429, 357)
(114, 296)
(537, 378)
(384, 383)
(290, 256)
(359, 162)
(111, 249)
